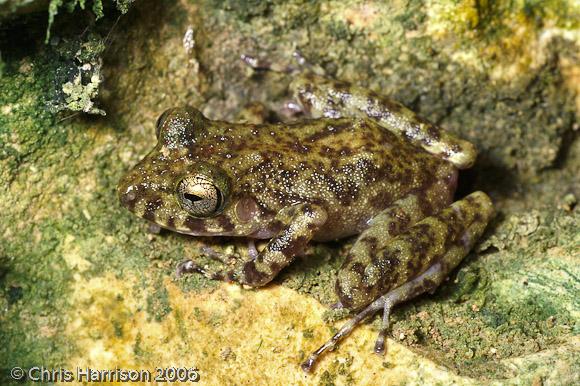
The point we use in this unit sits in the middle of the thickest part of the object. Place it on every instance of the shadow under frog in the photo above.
(364, 165)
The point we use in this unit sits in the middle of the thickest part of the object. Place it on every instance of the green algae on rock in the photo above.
(79, 75)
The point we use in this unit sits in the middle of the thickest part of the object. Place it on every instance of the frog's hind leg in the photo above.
(323, 97)
(435, 274)
(452, 233)
(397, 218)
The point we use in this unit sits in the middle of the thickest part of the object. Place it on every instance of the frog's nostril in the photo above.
(131, 196)
(128, 196)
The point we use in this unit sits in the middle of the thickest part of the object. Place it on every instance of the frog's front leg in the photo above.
(414, 262)
(301, 223)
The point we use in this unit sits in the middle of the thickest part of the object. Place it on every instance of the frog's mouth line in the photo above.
(218, 226)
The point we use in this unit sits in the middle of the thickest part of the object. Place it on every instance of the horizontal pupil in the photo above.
(192, 197)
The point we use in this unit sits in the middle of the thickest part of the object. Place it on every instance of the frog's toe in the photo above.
(337, 306)
(226, 259)
(252, 250)
(380, 342)
(259, 63)
(291, 109)
(254, 62)
(189, 266)
(344, 331)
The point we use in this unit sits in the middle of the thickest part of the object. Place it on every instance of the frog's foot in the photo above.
(189, 266)
(427, 281)
(260, 64)
(341, 334)
(238, 273)
(302, 65)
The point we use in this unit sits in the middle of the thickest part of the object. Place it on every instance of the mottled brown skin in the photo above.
(386, 174)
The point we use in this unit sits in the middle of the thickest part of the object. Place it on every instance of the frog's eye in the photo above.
(200, 196)
(160, 121)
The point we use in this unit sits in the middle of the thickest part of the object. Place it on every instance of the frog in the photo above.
(358, 164)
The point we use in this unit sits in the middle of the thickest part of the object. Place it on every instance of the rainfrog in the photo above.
(363, 165)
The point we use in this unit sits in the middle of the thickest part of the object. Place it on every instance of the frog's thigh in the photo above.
(397, 218)
(446, 237)
(302, 221)
(383, 227)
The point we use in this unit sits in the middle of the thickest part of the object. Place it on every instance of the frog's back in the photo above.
(354, 168)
